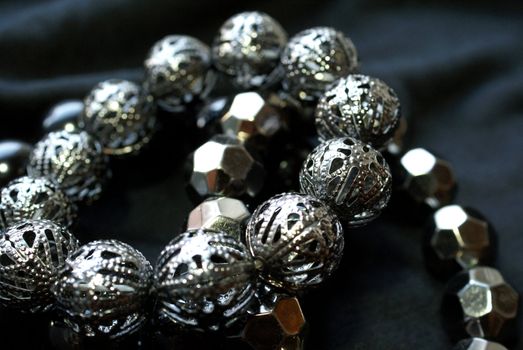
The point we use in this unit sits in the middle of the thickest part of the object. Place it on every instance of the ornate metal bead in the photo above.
(315, 58)
(223, 214)
(74, 160)
(223, 166)
(204, 280)
(427, 178)
(35, 198)
(119, 116)
(14, 156)
(63, 116)
(479, 303)
(298, 240)
(350, 176)
(248, 49)
(358, 106)
(459, 238)
(177, 71)
(103, 289)
(478, 344)
(31, 254)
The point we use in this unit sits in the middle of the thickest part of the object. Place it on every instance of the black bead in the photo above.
(14, 156)
(63, 116)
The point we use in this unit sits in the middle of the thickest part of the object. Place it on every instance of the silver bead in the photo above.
(478, 344)
(177, 71)
(35, 198)
(32, 253)
(350, 176)
(119, 116)
(358, 106)
(103, 289)
(315, 58)
(248, 49)
(74, 160)
(297, 238)
(204, 280)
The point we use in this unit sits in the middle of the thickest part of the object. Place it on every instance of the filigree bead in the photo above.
(103, 289)
(35, 198)
(248, 48)
(478, 344)
(350, 176)
(32, 253)
(14, 156)
(119, 116)
(298, 240)
(359, 106)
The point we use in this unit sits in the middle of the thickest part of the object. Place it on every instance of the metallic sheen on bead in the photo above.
(358, 106)
(103, 289)
(177, 71)
(478, 344)
(204, 280)
(315, 58)
(119, 116)
(297, 238)
(350, 176)
(35, 198)
(64, 115)
(74, 160)
(14, 156)
(248, 49)
(32, 253)
(223, 166)
(479, 303)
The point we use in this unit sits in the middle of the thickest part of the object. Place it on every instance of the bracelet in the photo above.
(308, 125)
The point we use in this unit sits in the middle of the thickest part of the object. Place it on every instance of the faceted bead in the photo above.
(63, 116)
(426, 178)
(479, 303)
(458, 238)
(14, 156)
(478, 344)
(221, 214)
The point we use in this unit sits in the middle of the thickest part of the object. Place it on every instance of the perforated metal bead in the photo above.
(177, 71)
(350, 176)
(315, 58)
(35, 198)
(204, 280)
(248, 49)
(358, 106)
(478, 344)
(297, 238)
(31, 255)
(74, 160)
(103, 289)
(119, 116)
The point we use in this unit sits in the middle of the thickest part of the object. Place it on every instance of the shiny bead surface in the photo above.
(103, 289)
(223, 214)
(14, 156)
(119, 116)
(479, 303)
(204, 280)
(315, 58)
(459, 238)
(395, 146)
(177, 71)
(223, 166)
(248, 49)
(427, 178)
(35, 198)
(478, 344)
(63, 116)
(358, 106)
(297, 238)
(350, 176)
(32, 253)
(74, 160)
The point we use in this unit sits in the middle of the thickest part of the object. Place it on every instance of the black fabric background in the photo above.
(457, 67)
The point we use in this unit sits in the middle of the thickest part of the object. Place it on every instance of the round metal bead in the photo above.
(177, 71)
(35, 198)
(478, 344)
(74, 160)
(14, 156)
(315, 58)
(358, 106)
(63, 116)
(119, 116)
(103, 289)
(350, 176)
(204, 280)
(248, 49)
(32, 253)
(298, 240)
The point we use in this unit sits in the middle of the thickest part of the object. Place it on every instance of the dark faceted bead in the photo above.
(63, 116)
(208, 119)
(14, 156)
(478, 344)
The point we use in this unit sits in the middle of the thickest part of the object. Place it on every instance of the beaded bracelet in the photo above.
(231, 272)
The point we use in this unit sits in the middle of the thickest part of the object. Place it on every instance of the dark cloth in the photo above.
(457, 67)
